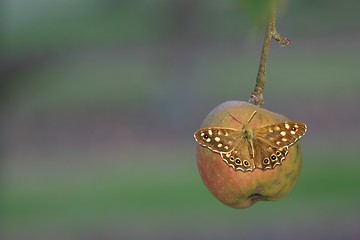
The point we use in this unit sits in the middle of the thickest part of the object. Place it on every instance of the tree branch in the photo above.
(271, 33)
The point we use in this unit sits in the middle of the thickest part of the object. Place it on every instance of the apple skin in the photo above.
(239, 189)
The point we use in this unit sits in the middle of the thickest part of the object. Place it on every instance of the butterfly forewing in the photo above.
(281, 135)
(218, 139)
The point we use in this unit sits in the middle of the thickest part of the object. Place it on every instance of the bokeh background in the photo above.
(99, 100)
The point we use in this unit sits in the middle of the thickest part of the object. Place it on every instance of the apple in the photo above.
(239, 189)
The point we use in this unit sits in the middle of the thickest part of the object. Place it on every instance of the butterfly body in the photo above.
(246, 149)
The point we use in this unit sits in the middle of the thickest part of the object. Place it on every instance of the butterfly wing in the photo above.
(218, 139)
(239, 158)
(229, 143)
(267, 156)
(271, 143)
(280, 135)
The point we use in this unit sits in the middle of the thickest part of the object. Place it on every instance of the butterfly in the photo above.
(266, 146)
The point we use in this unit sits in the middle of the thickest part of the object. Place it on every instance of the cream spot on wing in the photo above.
(284, 139)
(208, 140)
(278, 142)
(226, 147)
(292, 132)
(226, 134)
(228, 154)
(287, 126)
(217, 139)
(210, 132)
(270, 130)
(277, 128)
(283, 133)
(202, 134)
(219, 145)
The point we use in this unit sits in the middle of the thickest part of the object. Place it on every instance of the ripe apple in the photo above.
(238, 189)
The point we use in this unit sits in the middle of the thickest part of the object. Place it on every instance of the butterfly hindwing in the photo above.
(239, 159)
(267, 156)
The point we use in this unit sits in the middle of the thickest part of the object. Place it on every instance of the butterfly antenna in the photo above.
(251, 117)
(236, 119)
(244, 125)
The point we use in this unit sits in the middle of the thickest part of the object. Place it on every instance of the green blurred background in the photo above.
(100, 99)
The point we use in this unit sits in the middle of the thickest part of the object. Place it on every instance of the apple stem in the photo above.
(271, 33)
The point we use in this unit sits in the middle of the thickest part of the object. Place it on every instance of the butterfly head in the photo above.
(247, 133)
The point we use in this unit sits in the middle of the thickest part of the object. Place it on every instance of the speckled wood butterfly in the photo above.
(267, 146)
